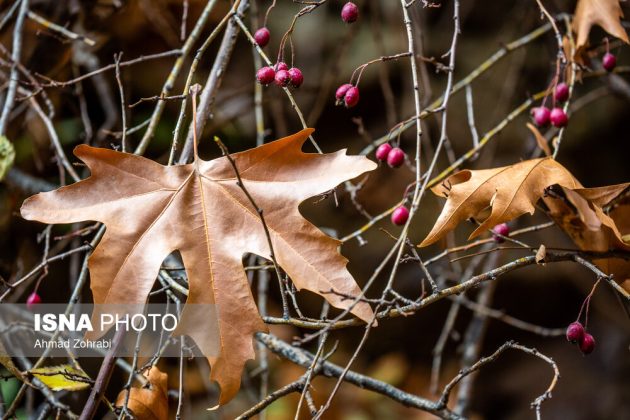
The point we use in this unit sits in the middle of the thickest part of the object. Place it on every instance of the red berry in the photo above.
(382, 151)
(575, 332)
(352, 97)
(396, 157)
(33, 299)
(265, 75)
(282, 78)
(341, 92)
(500, 229)
(296, 77)
(587, 345)
(262, 36)
(562, 92)
(281, 66)
(609, 61)
(558, 117)
(541, 116)
(349, 12)
(400, 216)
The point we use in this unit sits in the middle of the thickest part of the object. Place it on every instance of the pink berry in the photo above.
(400, 216)
(265, 75)
(352, 97)
(33, 299)
(575, 332)
(262, 36)
(587, 344)
(558, 117)
(349, 12)
(541, 116)
(382, 151)
(500, 229)
(562, 92)
(296, 77)
(281, 66)
(609, 61)
(396, 157)
(282, 78)
(341, 92)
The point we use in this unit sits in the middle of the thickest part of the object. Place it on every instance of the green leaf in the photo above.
(7, 156)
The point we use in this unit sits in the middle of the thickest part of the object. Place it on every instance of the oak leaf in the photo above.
(509, 191)
(151, 210)
(605, 13)
(148, 403)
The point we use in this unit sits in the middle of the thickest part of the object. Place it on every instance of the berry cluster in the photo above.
(576, 334)
(348, 95)
(558, 118)
(281, 74)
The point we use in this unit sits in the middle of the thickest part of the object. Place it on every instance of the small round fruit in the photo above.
(587, 345)
(396, 157)
(265, 75)
(349, 12)
(558, 117)
(541, 116)
(501, 229)
(341, 92)
(562, 92)
(400, 216)
(262, 36)
(382, 151)
(281, 66)
(609, 61)
(575, 332)
(33, 299)
(282, 78)
(351, 97)
(297, 78)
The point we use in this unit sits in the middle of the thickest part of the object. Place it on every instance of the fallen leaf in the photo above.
(151, 210)
(62, 377)
(510, 191)
(605, 13)
(148, 403)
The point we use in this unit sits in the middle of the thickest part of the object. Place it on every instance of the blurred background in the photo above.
(399, 351)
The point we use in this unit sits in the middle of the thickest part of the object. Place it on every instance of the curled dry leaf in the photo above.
(540, 139)
(509, 191)
(151, 210)
(582, 217)
(605, 13)
(148, 403)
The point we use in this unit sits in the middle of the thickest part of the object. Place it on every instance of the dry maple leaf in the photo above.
(151, 210)
(605, 13)
(148, 403)
(510, 191)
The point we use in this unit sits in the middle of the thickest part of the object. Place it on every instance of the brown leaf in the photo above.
(151, 210)
(510, 191)
(605, 13)
(540, 139)
(148, 403)
(577, 222)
